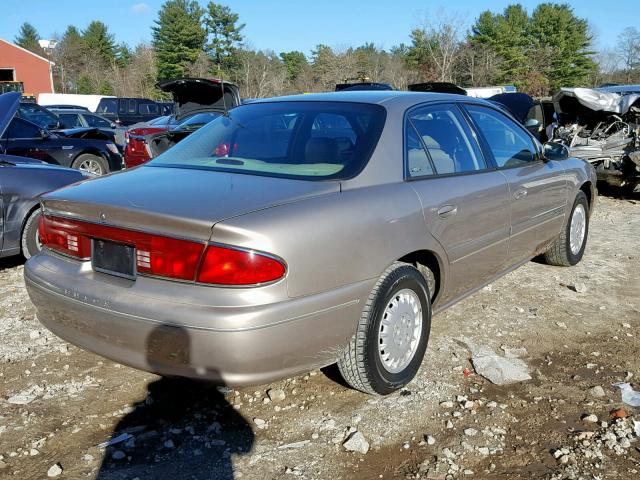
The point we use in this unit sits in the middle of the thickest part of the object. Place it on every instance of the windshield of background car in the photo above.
(305, 140)
(198, 120)
(38, 115)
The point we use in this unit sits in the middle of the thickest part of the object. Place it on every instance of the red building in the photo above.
(20, 65)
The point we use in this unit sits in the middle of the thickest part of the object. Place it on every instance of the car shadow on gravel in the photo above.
(181, 429)
(11, 262)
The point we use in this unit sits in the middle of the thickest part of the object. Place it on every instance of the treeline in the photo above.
(538, 52)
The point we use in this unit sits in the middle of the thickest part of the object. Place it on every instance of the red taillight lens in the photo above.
(227, 266)
(65, 236)
(164, 256)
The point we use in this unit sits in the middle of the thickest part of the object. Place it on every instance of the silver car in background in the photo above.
(296, 232)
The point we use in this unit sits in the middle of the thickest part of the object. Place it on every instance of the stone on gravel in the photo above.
(356, 443)
(54, 470)
(498, 370)
(276, 394)
(590, 418)
(597, 391)
(431, 440)
(470, 432)
(260, 423)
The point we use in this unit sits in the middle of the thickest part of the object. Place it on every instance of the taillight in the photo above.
(65, 236)
(228, 266)
(163, 256)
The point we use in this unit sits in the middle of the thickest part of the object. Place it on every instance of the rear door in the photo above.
(465, 201)
(537, 188)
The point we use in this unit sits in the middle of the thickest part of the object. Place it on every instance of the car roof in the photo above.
(373, 96)
(71, 110)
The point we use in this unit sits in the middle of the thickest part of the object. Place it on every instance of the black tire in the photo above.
(360, 364)
(559, 253)
(30, 239)
(90, 158)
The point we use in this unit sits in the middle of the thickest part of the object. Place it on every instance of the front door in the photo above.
(537, 188)
(465, 202)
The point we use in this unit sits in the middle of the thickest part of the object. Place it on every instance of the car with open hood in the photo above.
(296, 232)
(22, 181)
(197, 101)
(602, 126)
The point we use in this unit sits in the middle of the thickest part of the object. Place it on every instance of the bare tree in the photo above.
(437, 43)
(629, 50)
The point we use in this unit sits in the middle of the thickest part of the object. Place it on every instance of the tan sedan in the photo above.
(296, 232)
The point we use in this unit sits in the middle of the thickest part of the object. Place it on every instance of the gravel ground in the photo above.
(574, 329)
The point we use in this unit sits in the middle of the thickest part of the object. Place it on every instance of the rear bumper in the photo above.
(232, 336)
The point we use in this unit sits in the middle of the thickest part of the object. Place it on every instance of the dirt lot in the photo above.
(579, 326)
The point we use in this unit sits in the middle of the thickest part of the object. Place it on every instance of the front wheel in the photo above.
(568, 249)
(389, 344)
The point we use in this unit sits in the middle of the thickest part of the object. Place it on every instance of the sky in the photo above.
(284, 25)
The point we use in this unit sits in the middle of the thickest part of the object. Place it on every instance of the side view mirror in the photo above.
(532, 123)
(44, 133)
(555, 151)
(113, 125)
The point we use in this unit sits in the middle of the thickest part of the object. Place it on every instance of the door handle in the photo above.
(518, 194)
(447, 210)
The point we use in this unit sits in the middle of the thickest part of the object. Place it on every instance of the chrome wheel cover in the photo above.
(92, 166)
(577, 229)
(400, 330)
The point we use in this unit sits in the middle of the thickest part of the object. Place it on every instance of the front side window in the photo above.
(108, 105)
(284, 139)
(70, 120)
(448, 140)
(509, 144)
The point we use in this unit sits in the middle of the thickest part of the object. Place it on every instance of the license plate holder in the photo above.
(113, 258)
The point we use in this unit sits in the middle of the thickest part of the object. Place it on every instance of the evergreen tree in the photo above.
(565, 38)
(99, 43)
(294, 62)
(28, 38)
(224, 30)
(178, 37)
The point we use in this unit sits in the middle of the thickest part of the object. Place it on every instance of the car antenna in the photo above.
(224, 101)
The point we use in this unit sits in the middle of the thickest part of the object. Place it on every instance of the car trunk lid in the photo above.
(191, 95)
(177, 202)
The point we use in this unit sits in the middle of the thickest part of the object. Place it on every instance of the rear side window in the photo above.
(306, 140)
(149, 109)
(509, 144)
(418, 162)
(444, 133)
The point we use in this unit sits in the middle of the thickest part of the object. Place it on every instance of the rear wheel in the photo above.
(568, 249)
(88, 162)
(30, 240)
(388, 347)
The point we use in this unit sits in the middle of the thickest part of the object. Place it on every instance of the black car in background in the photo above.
(26, 139)
(39, 115)
(78, 118)
(22, 181)
(127, 111)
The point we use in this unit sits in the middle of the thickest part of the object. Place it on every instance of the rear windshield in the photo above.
(306, 140)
